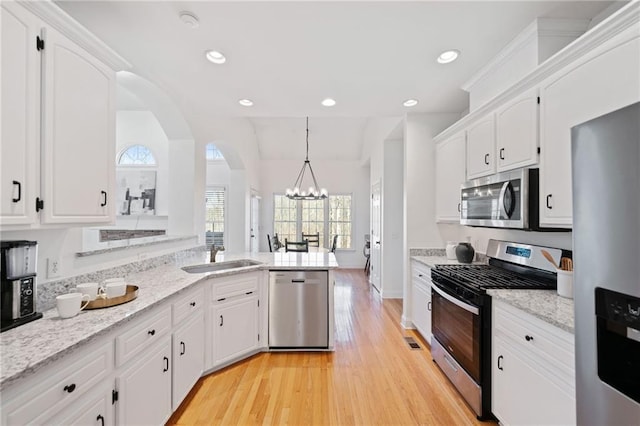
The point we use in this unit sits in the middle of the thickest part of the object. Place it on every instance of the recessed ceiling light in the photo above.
(410, 102)
(189, 19)
(328, 102)
(215, 57)
(448, 56)
(246, 102)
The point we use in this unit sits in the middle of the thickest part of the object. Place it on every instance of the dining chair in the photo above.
(314, 239)
(276, 242)
(302, 246)
(334, 243)
(269, 241)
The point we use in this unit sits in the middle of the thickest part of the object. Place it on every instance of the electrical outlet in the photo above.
(53, 267)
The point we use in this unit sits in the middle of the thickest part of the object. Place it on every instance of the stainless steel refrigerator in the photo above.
(606, 254)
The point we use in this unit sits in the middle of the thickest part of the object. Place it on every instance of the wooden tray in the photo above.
(132, 293)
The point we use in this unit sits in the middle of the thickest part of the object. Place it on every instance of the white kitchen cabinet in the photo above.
(602, 81)
(421, 301)
(235, 328)
(95, 408)
(533, 371)
(481, 148)
(20, 120)
(144, 387)
(188, 356)
(78, 150)
(450, 174)
(517, 132)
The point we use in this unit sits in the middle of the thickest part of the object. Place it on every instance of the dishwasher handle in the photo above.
(297, 280)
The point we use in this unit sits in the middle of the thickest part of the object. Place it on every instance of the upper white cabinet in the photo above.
(481, 147)
(450, 174)
(604, 80)
(78, 147)
(58, 120)
(20, 123)
(517, 132)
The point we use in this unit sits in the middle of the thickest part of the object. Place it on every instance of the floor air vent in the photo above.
(412, 343)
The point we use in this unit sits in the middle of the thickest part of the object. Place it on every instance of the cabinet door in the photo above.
(517, 132)
(78, 146)
(145, 387)
(481, 146)
(521, 394)
(235, 328)
(450, 174)
(95, 408)
(422, 310)
(605, 81)
(20, 109)
(188, 356)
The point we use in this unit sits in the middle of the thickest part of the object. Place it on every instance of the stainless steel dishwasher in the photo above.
(298, 309)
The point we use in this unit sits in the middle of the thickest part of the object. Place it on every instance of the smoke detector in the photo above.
(189, 19)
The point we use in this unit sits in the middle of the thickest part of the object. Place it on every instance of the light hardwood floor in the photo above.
(372, 378)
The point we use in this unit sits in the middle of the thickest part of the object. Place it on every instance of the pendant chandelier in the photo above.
(314, 192)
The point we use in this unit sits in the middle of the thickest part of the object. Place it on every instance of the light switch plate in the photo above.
(53, 267)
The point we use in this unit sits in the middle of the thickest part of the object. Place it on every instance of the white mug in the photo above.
(115, 287)
(88, 288)
(69, 305)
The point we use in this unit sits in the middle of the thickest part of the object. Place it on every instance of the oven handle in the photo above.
(469, 308)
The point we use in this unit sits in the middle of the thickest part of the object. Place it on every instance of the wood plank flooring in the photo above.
(372, 378)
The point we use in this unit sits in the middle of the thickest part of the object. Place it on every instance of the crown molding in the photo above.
(621, 20)
(65, 24)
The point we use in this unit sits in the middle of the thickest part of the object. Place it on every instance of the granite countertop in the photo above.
(30, 347)
(544, 304)
(431, 261)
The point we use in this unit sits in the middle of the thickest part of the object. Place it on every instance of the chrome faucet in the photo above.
(214, 251)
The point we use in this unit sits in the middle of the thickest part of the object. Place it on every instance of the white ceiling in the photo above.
(288, 56)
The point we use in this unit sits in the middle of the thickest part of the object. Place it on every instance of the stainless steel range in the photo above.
(461, 312)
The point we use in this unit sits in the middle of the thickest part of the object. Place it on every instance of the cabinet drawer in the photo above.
(234, 286)
(420, 271)
(191, 302)
(535, 338)
(40, 399)
(145, 332)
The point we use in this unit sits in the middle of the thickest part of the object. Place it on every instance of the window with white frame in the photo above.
(329, 217)
(137, 155)
(215, 215)
(213, 153)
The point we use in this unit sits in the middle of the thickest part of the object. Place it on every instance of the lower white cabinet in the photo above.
(95, 408)
(421, 299)
(188, 356)
(235, 328)
(533, 372)
(144, 388)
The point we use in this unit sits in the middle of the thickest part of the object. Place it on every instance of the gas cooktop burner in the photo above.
(485, 277)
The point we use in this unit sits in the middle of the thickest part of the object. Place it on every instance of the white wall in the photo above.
(218, 173)
(392, 219)
(338, 177)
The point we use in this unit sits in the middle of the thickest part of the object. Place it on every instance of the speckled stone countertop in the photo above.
(431, 261)
(544, 304)
(26, 349)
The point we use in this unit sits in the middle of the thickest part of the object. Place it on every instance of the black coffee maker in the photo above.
(18, 283)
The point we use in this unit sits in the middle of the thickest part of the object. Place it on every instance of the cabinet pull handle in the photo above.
(70, 388)
(549, 201)
(193, 303)
(151, 332)
(221, 321)
(502, 153)
(420, 275)
(100, 419)
(104, 202)
(184, 348)
(500, 358)
(486, 159)
(528, 338)
(166, 364)
(19, 185)
(459, 208)
(428, 306)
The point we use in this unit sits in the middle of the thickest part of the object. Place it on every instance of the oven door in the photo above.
(456, 325)
(496, 201)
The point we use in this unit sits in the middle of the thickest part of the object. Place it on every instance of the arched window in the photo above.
(213, 153)
(137, 155)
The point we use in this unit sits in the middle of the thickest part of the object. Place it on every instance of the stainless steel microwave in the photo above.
(504, 200)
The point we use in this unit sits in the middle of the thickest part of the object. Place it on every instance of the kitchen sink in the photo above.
(220, 266)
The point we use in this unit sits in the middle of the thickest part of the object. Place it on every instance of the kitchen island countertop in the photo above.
(31, 347)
